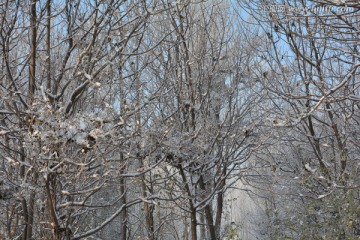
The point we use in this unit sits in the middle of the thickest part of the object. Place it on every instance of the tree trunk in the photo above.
(123, 215)
(202, 226)
(148, 211)
(31, 91)
(31, 208)
(32, 51)
(193, 222)
(220, 205)
(51, 211)
(48, 45)
(26, 218)
(208, 213)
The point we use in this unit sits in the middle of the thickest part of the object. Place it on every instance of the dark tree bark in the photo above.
(32, 67)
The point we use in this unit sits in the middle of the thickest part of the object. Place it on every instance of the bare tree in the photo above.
(202, 123)
(59, 137)
(311, 70)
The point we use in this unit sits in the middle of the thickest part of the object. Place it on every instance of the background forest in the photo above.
(161, 120)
